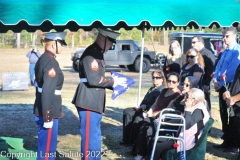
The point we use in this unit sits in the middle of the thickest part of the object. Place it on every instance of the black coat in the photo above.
(49, 77)
(90, 95)
(209, 60)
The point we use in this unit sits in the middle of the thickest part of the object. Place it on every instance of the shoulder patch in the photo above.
(52, 72)
(94, 65)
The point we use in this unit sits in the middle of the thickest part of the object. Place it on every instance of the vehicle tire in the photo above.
(131, 68)
(75, 67)
(146, 65)
(121, 66)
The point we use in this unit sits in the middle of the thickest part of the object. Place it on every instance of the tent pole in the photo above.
(141, 64)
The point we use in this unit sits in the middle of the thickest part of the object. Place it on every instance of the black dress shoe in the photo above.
(230, 149)
(223, 145)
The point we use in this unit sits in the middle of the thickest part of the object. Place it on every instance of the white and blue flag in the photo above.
(121, 84)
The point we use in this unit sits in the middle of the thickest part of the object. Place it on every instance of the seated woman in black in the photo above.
(147, 130)
(165, 97)
(196, 115)
(129, 114)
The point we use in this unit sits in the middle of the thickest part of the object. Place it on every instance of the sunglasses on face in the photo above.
(227, 35)
(193, 42)
(170, 81)
(156, 77)
(190, 56)
(187, 85)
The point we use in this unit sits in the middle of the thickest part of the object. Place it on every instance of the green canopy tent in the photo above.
(30, 15)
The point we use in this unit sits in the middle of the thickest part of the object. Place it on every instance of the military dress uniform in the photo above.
(48, 103)
(90, 99)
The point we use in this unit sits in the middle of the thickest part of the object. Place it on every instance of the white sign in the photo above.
(15, 81)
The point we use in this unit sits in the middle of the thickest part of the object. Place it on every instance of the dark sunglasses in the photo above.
(193, 42)
(187, 85)
(190, 56)
(170, 81)
(156, 77)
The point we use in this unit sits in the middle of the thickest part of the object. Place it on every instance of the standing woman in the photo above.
(194, 67)
(175, 59)
(48, 102)
(129, 114)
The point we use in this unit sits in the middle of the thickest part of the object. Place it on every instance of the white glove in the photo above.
(48, 124)
(120, 81)
(145, 115)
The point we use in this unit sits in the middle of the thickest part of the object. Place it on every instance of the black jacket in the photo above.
(209, 60)
(90, 95)
(49, 77)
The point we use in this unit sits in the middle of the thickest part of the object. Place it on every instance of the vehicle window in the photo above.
(112, 48)
(125, 47)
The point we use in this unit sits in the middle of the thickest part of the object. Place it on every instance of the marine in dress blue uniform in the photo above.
(90, 93)
(48, 102)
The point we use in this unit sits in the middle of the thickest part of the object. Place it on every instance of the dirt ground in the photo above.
(17, 119)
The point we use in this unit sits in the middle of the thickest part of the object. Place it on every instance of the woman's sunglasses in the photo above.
(156, 77)
(187, 85)
(170, 81)
(190, 56)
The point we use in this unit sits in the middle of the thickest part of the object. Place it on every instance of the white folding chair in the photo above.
(172, 116)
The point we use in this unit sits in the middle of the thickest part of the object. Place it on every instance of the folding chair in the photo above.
(172, 116)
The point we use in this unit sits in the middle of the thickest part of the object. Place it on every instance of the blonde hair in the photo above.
(200, 57)
(199, 96)
(170, 54)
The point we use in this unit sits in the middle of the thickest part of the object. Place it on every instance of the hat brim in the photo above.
(111, 39)
(62, 42)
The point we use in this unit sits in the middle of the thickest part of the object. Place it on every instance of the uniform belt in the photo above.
(83, 80)
(57, 92)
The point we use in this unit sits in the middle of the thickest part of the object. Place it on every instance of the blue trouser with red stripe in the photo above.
(90, 132)
(47, 140)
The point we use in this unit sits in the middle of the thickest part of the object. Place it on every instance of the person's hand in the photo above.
(145, 115)
(48, 124)
(230, 101)
(206, 88)
(188, 104)
(217, 86)
(226, 95)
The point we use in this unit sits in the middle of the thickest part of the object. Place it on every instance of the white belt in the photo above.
(57, 92)
(83, 80)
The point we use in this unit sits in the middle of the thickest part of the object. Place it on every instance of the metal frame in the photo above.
(170, 116)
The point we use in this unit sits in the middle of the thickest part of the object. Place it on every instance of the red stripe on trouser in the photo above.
(48, 142)
(87, 134)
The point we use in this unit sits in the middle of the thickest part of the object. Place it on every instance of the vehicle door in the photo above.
(111, 55)
(125, 52)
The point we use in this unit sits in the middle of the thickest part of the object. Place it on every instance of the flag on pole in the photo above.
(121, 84)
